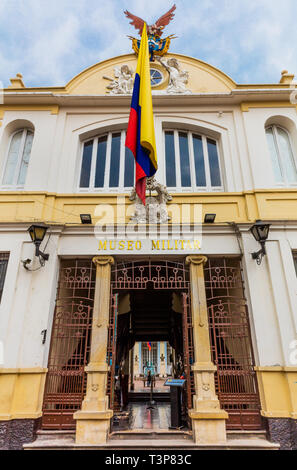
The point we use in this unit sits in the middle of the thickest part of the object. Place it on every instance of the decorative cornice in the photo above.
(245, 106)
(53, 109)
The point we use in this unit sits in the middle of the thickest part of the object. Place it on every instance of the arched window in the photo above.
(18, 159)
(192, 161)
(281, 153)
(106, 163)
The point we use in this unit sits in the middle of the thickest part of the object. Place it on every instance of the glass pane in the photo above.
(12, 159)
(273, 155)
(287, 156)
(156, 77)
(213, 157)
(86, 165)
(199, 161)
(129, 168)
(101, 162)
(184, 160)
(25, 158)
(114, 174)
(170, 159)
(3, 268)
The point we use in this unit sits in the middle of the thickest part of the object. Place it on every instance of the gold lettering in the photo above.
(130, 245)
(176, 244)
(155, 245)
(197, 245)
(163, 245)
(121, 244)
(138, 245)
(110, 245)
(169, 246)
(189, 246)
(102, 245)
(182, 242)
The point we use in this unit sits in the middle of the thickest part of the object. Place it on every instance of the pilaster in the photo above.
(93, 420)
(208, 419)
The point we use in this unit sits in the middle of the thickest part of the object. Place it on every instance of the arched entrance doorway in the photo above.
(150, 302)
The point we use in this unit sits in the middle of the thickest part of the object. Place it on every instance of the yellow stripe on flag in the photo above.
(147, 130)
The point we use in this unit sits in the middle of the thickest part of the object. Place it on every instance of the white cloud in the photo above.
(51, 41)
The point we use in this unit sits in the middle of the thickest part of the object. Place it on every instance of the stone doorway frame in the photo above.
(208, 419)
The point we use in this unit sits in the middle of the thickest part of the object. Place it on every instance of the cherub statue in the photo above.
(122, 84)
(177, 78)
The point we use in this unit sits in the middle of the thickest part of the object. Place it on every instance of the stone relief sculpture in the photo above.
(155, 210)
(178, 78)
(123, 82)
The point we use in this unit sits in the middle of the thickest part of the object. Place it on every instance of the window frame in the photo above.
(15, 186)
(193, 187)
(4, 256)
(284, 182)
(106, 188)
(295, 261)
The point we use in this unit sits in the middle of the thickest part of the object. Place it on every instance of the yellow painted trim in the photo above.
(61, 209)
(246, 106)
(275, 414)
(21, 393)
(275, 369)
(34, 370)
(220, 414)
(20, 416)
(54, 109)
(278, 391)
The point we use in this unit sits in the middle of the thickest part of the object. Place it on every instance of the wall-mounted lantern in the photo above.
(37, 233)
(260, 233)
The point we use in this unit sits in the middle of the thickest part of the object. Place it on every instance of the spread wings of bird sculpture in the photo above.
(154, 29)
(157, 46)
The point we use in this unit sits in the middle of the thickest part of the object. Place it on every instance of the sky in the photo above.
(51, 41)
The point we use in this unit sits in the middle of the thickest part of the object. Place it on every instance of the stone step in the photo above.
(146, 439)
(48, 434)
(153, 444)
(141, 434)
(138, 434)
(261, 434)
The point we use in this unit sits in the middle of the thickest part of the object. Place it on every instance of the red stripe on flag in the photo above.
(140, 184)
(131, 137)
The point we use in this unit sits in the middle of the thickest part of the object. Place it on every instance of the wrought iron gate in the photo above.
(111, 347)
(188, 349)
(231, 344)
(70, 344)
(157, 275)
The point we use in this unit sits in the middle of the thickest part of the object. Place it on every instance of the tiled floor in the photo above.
(147, 418)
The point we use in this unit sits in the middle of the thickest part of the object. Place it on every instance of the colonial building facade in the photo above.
(68, 321)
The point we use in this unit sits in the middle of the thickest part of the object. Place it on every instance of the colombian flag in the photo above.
(149, 345)
(141, 133)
